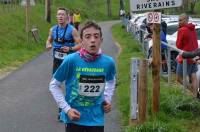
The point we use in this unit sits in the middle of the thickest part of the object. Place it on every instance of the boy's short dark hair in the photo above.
(64, 9)
(89, 24)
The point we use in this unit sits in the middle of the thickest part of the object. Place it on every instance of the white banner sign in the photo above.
(154, 17)
(141, 5)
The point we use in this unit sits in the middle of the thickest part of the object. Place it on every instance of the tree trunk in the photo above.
(192, 5)
(109, 7)
(121, 3)
(48, 11)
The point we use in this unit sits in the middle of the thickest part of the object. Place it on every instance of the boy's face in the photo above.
(91, 40)
(61, 16)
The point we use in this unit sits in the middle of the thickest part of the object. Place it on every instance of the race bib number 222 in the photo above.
(91, 86)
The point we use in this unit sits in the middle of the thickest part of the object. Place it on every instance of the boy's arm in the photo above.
(49, 40)
(56, 91)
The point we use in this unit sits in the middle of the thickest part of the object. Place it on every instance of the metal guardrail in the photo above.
(138, 34)
(170, 47)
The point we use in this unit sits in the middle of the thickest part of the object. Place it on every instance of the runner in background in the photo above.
(63, 38)
(77, 19)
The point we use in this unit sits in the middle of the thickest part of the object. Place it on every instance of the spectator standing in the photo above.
(128, 16)
(162, 34)
(163, 47)
(187, 41)
(122, 15)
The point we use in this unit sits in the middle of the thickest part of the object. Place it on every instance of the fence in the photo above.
(8, 6)
(138, 33)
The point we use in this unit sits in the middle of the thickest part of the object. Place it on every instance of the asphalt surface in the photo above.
(26, 104)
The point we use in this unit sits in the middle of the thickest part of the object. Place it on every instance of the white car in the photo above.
(195, 20)
(172, 34)
(171, 39)
(135, 22)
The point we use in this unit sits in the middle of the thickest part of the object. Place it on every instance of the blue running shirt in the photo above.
(85, 83)
(61, 32)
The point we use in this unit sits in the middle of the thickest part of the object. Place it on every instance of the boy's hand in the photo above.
(73, 114)
(48, 46)
(106, 107)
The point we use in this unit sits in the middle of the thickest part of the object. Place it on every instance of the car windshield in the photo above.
(172, 29)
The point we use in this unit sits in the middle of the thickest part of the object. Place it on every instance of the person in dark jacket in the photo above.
(162, 34)
(187, 41)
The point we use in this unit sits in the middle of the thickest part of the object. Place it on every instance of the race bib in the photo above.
(91, 86)
(59, 55)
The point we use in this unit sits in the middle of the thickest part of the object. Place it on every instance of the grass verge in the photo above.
(179, 112)
(15, 50)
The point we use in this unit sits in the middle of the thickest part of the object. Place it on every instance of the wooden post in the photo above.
(48, 11)
(142, 91)
(156, 67)
(27, 18)
(138, 92)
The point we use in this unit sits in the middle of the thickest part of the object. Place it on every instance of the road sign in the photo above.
(154, 17)
(157, 17)
(140, 5)
(150, 17)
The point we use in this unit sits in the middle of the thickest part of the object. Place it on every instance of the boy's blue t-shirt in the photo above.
(85, 83)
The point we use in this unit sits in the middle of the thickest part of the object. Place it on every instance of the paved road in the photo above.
(110, 48)
(26, 104)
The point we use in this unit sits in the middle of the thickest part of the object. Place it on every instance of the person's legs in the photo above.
(95, 129)
(70, 127)
(164, 60)
(56, 64)
(179, 73)
(194, 84)
(192, 69)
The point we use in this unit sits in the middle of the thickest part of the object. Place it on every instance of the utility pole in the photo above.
(48, 11)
